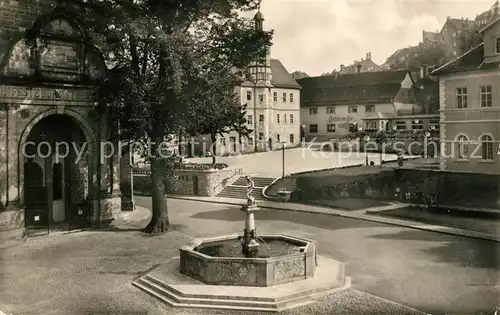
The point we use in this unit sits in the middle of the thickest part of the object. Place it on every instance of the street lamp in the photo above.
(283, 146)
(366, 138)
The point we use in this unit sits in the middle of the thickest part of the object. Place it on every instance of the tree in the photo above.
(221, 111)
(165, 55)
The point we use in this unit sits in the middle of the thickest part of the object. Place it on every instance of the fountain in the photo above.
(236, 272)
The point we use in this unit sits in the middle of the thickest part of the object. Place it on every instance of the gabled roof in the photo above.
(281, 77)
(459, 24)
(495, 21)
(471, 60)
(357, 88)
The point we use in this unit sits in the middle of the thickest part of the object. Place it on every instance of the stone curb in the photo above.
(365, 217)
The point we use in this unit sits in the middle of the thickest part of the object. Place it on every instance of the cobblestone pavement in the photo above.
(92, 271)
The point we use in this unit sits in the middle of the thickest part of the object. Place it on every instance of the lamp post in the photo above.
(283, 146)
(366, 138)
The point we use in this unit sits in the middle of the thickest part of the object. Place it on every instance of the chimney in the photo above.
(368, 56)
(424, 71)
(448, 17)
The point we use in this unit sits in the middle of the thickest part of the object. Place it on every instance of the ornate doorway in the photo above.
(56, 173)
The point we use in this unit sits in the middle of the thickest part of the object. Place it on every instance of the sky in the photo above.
(317, 36)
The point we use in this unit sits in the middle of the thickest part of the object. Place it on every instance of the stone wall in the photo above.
(206, 183)
(450, 188)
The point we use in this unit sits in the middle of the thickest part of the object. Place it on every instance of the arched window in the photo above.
(462, 150)
(486, 148)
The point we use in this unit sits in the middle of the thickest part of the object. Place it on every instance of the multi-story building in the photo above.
(402, 58)
(272, 99)
(488, 16)
(364, 65)
(469, 90)
(336, 105)
(416, 108)
(431, 38)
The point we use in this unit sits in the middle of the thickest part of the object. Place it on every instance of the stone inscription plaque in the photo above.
(47, 94)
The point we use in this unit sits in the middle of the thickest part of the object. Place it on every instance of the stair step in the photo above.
(169, 295)
(173, 297)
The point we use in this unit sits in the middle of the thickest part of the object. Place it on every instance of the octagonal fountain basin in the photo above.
(219, 261)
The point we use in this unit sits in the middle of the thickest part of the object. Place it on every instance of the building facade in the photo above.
(337, 105)
(48, 86)
(363, 65)
(272, 99)
(470, 107)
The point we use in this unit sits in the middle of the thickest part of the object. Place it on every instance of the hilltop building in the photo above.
(364, 65)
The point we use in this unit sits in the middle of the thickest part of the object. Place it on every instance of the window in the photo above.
(250, 141)
(261, 136)
(313, 128)
(371, 125)
(250, 119)
(292, 138)
(313, 111)
(461, 97)
(497, 45)
(275, 96)
(330, 110)
(249, 95)
(462, 150)
(223, 140)
(370, 108)
(486, 100)
(261, 118)
(486, 148)
(330, 128)
(284, 98)
(278, 138)
(277, 118)
(291, 118)
(434, 124)
(261, 98)
(400, 125)
(417, 125)
(352, 109)
(284, 118)
(291, 97)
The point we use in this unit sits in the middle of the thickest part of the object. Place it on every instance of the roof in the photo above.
(459, 24)
(365, 63)
(281, 78)
(495, 21)
(470, 61)
(357, 88)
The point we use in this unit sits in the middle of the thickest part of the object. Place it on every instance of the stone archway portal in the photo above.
(60, 148)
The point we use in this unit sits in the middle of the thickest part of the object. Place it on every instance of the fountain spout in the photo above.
(249, 244)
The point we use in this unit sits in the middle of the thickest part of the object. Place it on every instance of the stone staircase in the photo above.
(172, 296)
(238, 188)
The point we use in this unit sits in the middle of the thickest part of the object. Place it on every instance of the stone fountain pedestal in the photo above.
(250, 281)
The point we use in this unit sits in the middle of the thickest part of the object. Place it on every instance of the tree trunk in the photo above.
(214, 147)
(159, 220)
